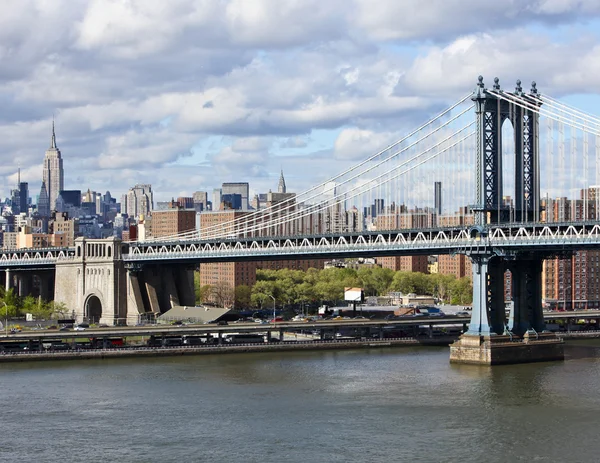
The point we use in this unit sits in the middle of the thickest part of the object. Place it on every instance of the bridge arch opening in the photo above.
(93, 309)
(508, 166)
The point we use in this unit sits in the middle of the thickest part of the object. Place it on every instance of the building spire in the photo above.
(281, 187)
(53, 140)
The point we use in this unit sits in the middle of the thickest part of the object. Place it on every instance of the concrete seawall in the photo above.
(224, 349)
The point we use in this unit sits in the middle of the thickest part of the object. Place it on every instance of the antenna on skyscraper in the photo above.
(53, 138)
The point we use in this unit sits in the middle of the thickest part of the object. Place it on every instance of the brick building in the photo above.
(172, 222)
(405, 263)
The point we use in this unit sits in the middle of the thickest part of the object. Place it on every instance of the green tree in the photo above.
(12, 304)
(243, 296)
(223, 294)
(306, 294)
(375, 281)
(462, 291)
(441, 285)
(57, 309)
(262, 292)
(204, 294)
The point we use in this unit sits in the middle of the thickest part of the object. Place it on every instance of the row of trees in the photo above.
(13, 306)
(297, 287)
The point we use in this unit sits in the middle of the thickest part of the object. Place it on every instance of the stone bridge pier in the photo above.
(30, 282)
(154, 289)
(97, 286)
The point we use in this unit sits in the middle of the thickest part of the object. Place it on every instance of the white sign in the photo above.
(353, 294)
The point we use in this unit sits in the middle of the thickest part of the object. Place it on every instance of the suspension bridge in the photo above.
(507, 177)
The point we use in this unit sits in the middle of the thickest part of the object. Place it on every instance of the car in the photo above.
(463, 313)
(63, 328)
(78, 328)
(437, 314)
(222, 322)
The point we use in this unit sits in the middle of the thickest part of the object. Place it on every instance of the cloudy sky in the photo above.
(187, 94)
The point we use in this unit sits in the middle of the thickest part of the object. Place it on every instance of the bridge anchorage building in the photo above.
(489, 339)
(101, 287)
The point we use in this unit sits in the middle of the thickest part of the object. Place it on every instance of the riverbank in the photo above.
(85, 354)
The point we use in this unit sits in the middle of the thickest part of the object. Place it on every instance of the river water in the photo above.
(379, 405)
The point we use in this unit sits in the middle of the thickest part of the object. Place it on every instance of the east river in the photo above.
(379, 405)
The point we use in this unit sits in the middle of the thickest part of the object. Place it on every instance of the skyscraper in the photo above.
(53, 175)
(281, 187)
(43, 205)
(437, 194)
(240, 188)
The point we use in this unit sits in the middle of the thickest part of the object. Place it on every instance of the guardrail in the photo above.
(237, 347)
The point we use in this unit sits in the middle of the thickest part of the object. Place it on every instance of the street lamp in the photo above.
(5, 318)
(273, 306)
(565, 297)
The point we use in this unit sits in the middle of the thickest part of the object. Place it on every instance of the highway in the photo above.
(199, 330)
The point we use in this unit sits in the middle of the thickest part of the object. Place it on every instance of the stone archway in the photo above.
(92, 309)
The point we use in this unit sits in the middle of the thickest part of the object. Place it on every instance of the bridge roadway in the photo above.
(553, 238)
(199, 330)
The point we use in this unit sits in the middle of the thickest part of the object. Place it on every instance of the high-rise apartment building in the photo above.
(139, 201)
(458, 265)
(52, 174)
(172, 222)
(216, 199)
(405, 263)
(200, 199)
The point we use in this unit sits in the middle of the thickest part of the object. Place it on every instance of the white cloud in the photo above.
(354, 144)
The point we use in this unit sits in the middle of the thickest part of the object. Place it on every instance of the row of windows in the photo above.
(93, 271)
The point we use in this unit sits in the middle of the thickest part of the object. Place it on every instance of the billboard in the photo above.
(353, 294)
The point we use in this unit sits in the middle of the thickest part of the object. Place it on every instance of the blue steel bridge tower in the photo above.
(489, 266)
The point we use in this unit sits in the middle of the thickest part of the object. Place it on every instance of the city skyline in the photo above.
(337, 90)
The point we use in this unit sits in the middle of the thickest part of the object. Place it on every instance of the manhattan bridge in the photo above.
(483, 178)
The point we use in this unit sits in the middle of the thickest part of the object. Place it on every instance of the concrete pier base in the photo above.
(502, 349)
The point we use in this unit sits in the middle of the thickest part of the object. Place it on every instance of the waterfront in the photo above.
(337, 406)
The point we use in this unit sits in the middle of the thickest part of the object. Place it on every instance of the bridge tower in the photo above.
(488, 327)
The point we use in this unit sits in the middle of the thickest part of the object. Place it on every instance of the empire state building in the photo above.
(53, 175)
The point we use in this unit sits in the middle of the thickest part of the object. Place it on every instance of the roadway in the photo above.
(203, 330)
